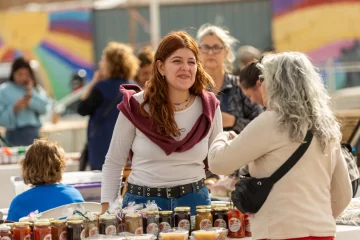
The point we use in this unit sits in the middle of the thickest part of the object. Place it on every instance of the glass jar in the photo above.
(151, 222)
(134, 223)
(74, 229)
(42, 230)
(31, 221)
(182, 218)
(5, 232)
(22, 231)
(204, 219)
(166, 220)
(58, 230)
(91, 227)
(220, 217)
(236, 223)
(107, 225)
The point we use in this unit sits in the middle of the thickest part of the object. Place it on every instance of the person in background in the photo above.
(118, 65)
(317, 189)
(217, 58)
(43, 167)
(77, 80)
(250, 82)
(168, 127)
(146, 58)
(22, 102)
(246, 55)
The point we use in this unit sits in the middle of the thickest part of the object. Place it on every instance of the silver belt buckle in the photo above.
(168, 192)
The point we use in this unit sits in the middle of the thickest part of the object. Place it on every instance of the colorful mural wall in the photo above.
(60, 41)
(323, 29)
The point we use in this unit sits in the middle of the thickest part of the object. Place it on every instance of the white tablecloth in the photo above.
(342, 233)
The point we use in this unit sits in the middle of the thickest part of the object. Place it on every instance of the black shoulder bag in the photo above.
(84, 157)
(251, 193)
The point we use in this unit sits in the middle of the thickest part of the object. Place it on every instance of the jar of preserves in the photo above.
(31, 222)
(204, 219)
(42, 230)
(5, 232)
(134, 223)
(182, 218)
(91, 227)
(220, 217)
(74, 229)
(107, 225)
(151, 222)
(236, 223)
(166, 220)
(58, 230)
(22, 231)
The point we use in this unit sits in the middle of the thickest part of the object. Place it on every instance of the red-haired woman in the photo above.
(168, 127)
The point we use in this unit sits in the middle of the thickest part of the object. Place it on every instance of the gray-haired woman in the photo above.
(217, 58)
(317, 189)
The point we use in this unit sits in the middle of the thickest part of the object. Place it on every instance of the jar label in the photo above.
(234, 224)
(205, 224)
(82, 235)
(139, 231)
(63, 235)
(220, 223)
(110, 230)
(185, 224)
(152, 228)
(164, 226)
(47, 237)
(5, 238)
(94, 231)
(27, 237)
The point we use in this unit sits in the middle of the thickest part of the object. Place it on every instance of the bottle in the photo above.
(236, 223)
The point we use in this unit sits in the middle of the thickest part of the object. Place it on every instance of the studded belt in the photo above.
(171, 192)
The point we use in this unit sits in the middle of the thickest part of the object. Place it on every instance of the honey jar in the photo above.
(134, 223)
(204, 219)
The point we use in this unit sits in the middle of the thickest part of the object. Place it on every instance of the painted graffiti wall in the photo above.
(60, 41)
(324, 29)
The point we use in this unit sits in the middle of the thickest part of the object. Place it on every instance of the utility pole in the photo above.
(155, 34)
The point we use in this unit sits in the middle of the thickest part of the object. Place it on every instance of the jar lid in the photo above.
(58, 222)
(165, 212)
(182, 209)
(203, 207)
(75, 222)
(26, 219)
(74, 217)
(42, 223)
(21, 224)
(203, 210)
(107, 217)
(217, 208)
(4, 227)
(133, 215)
(152, 212)
(218, 205)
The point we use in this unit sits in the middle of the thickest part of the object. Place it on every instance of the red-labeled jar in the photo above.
(5, 232)
(21, 231)
(42, 230)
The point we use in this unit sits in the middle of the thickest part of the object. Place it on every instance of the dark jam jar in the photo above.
(5, 232)
(220, 217)
(151, 222)
(182, 218)
(166, 221)
(91, 227)
(42, 230)
(74, 229)
(107, 225)
(58, 230)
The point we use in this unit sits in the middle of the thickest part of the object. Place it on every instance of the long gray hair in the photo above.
(297, 93)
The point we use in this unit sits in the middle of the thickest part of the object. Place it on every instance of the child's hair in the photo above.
(44, 163)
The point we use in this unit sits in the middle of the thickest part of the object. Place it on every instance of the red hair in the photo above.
(156, 95)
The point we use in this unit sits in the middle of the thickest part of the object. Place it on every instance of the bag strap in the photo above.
(106, 113)
(293, 159)
(353, 133)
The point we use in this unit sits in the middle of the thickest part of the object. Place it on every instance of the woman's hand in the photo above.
(104, 207)
(22, 103)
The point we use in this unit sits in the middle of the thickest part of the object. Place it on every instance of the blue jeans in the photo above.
(22, 136)
(200, 197)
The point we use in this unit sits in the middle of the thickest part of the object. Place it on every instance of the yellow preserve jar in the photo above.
(204, 219)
